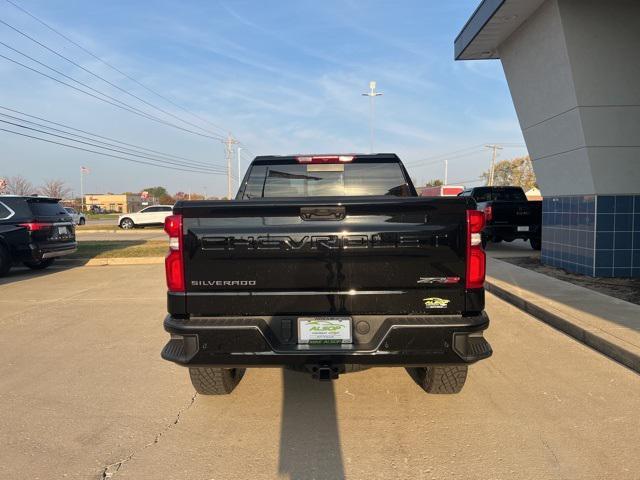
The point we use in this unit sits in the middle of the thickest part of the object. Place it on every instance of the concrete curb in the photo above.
(101, 262)
(591, 338)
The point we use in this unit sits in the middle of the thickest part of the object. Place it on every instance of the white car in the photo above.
(153, 215)
(78, 217)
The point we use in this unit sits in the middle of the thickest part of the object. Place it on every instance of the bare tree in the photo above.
(55, 189)
(19, 186)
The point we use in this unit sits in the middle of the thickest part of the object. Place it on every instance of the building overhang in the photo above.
(492, 23)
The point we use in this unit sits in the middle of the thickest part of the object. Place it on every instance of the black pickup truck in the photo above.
(326, 264)
(508, 214)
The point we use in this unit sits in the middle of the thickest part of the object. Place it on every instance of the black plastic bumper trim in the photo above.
(401, 341)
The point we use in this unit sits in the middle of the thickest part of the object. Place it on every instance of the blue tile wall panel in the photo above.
(592, 235)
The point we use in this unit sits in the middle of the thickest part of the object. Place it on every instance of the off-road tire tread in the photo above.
(440, 379)
(215, 381)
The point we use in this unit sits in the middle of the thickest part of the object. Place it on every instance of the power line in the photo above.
(447, 154)
(104, 154)
(130, 109)
(57, 32)
(199, 170)
(126, 151)
(474, 180)
(458, 154)
(117, 87)
(441, 160)
(160, 157)
(120, 102)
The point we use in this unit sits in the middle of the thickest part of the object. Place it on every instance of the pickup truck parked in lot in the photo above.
(326, 264)
(508, 214)
(34, 231)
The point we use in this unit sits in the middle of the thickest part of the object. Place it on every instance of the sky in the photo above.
(281, 76)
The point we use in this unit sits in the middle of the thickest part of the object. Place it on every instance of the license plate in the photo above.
(62, 231)
(324, 330)
(523, 228)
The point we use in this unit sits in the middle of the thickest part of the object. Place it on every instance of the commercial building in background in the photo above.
(116, 203)
(573, 72)
(440, 191)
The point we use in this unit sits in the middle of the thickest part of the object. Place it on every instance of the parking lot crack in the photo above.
(109, 471)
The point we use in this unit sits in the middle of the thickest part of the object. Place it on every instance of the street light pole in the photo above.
(372, 94)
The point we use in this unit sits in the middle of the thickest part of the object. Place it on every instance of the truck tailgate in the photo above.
(325, 257)
(516, 213)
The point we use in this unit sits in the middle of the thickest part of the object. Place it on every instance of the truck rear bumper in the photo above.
(510, 232)
(271, 342)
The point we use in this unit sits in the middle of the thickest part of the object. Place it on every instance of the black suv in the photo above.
(33, 230)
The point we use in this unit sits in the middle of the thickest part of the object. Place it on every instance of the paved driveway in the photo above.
(84, 394)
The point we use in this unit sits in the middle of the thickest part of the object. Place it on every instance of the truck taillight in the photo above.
(174, 261)
(326, 159)
(488, 213)
(476, 259)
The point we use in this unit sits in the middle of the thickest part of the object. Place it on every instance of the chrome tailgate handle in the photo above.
(322, 213)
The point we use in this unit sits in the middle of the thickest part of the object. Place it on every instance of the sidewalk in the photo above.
(606, 324)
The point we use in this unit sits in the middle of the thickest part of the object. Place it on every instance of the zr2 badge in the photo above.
(435, 302)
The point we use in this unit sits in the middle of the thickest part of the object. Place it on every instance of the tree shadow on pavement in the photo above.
(309, 437)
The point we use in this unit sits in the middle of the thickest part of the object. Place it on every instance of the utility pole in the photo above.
(228, 151)
(372, 94)
(239, 177)
(495, 149)
(446, 171)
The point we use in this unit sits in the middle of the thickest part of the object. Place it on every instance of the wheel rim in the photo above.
(127, 224)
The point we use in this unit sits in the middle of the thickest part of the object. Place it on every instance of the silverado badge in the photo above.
(435, 302)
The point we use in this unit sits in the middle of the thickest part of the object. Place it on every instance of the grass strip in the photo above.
(120, 249)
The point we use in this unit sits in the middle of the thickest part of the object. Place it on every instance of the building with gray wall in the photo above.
(573, 69)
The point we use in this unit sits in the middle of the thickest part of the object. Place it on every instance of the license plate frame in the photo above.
(523, 228)
(328, 331)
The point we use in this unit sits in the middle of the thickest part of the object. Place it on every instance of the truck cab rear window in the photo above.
(503, 194)
(326, 180)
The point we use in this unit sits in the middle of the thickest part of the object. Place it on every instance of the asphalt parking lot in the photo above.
(85, 395)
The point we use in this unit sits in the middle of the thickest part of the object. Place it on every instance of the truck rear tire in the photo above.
(439, 378)
(536, 243)
(215, 381)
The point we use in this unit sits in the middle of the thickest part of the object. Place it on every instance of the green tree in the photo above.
(157, 192)
(517, 171)
(161, 195)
